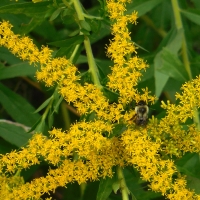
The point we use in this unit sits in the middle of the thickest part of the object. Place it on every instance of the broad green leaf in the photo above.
(137, 187)
(143, 6)
(20, 69)
(193, 183)
(105, 188)
(17, 107)
(112, 96)
(193, 15)
(175, 42)
(196, 3)
(118, 130)
(14, 133)
(68, 42)
(148, 74)
(81, 59)
(172, 66)
(160, 78)
(7, 56)
(27, 28)
(36, 10)
(104, 66)
(189, 164)
(160, 82)
(73, 191)
(6, 147)
(91, 190)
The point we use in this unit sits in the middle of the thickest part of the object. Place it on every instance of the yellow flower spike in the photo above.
(139, 147)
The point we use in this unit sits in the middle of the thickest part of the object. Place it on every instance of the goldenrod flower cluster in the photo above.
(127, 68)
(175, 138)
(84, 152)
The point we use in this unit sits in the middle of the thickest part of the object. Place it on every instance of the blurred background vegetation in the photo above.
(170, 47)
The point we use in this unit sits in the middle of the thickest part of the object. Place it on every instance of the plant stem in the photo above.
(186, 62)
(92, 17)
(91, 62)
(179, 26)
(78, 9)
(123, 186)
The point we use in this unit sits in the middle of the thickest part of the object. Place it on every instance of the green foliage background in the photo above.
(160, 43)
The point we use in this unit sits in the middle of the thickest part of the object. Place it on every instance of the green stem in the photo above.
(78, 9)
(91, 62)
(65, 115)
(179, 26)
(123, 186)
(92, 17)
(186, 61)
(74, 53)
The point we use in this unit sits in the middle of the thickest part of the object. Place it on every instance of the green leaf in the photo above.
(44, 104)
(193, 15)
(26, 28)
(14, 133)
(56, 104)
(112, 96)
(95, 25)
(172, 66)
(105, 188)
(174, 43)
(66, 51)
(81, 59)
(118, 130)
(37, 10)
(90, 191)
(55, 14)
(68, 42)
(189, 164)
(193, 183)
(20, 69)
(142, 6)
(116, 186)
(85, 25)
(160, 78)
(17, 107)
(137, 187)
(6, 55)
(50, 119)
(6, 147)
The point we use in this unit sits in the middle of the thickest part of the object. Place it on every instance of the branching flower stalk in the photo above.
(141, 148)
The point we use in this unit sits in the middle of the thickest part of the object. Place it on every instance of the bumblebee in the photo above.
(141, 116)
